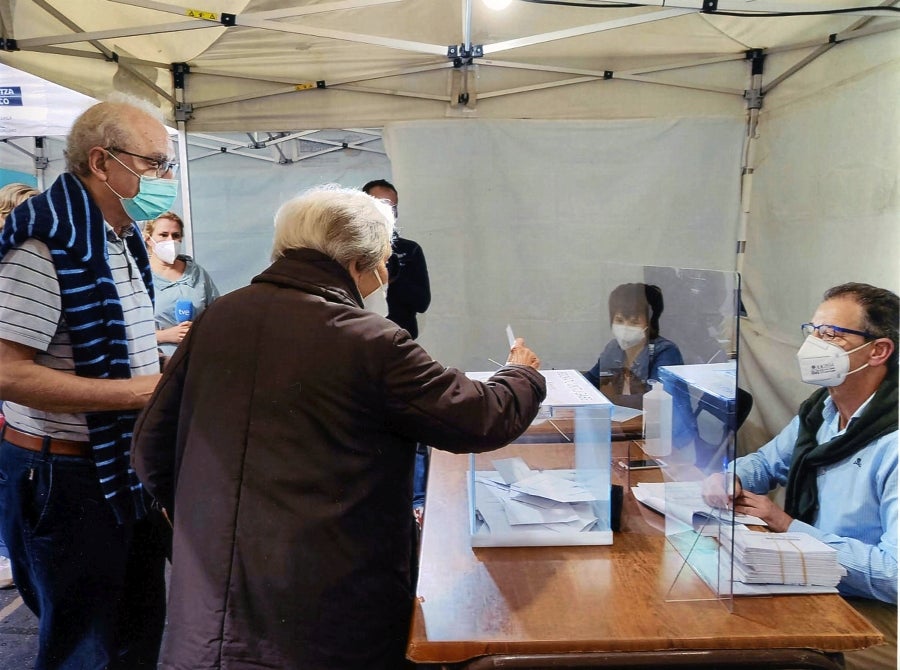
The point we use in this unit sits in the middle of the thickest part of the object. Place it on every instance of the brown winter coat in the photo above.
(282, 436)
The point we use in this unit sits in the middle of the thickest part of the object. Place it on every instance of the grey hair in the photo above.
(105, 124)
(345, 224)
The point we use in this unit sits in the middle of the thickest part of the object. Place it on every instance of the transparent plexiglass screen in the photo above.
(661, 344)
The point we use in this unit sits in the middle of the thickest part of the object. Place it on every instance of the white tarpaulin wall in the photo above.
(820, 193)
(235, 199)
(825, 210)
(517, 218)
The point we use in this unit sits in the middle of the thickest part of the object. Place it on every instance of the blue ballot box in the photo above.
(552, 486)
(704, 398)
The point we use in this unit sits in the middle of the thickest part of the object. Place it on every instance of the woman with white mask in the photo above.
(637, 351)
(182, 288)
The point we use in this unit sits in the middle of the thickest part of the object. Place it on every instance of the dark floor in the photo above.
(18, 633)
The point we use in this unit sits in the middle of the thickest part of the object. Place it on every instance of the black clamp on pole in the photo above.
(461, 55)
(179, 70)
(8, 44)
(754, 96)
(709, 6)
(757, 58)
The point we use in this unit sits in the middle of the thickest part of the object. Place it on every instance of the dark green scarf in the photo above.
(878, 419)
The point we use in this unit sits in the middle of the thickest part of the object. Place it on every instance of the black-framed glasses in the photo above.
(162, 166)
(828, 332)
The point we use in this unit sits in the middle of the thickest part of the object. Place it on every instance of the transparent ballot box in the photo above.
(552, 486)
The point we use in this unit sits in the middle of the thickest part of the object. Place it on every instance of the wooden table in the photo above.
(543, 607)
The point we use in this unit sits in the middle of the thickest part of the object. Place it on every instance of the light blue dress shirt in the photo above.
(857, 502)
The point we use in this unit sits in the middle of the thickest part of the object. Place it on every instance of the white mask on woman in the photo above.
(627, 336)
(167, 251)
(825, 363)
(376, 301)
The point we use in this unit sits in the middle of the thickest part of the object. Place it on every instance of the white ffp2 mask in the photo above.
(376, 301)
(627, 336)
(167, 251)
(825, 363)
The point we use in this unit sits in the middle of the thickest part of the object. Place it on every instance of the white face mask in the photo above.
(167, 251)
(627, 336)
(825, 363)
(376, 301)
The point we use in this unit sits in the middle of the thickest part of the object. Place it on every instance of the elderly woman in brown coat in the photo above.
(281, 440)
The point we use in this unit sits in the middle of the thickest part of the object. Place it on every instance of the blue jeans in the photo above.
(97, 587)
(420, 475)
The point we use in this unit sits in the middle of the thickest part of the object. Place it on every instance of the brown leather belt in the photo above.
(36, 443)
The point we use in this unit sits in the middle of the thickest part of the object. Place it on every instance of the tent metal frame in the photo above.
(462, 60)
(269, 20)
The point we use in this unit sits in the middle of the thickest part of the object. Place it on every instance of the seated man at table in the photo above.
(838, 456)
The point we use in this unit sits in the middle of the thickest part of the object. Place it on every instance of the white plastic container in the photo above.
(657, 421)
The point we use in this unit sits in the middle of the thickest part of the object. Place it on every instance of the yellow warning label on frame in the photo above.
(305, 86)
(198, 14)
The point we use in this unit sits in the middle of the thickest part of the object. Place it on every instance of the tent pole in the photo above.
(185, 187)
(754, 97)
(467, 24)
(41, 162)
(182, 114)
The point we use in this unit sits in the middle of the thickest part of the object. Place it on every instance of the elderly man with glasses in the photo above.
(838, 456)
(78, 359)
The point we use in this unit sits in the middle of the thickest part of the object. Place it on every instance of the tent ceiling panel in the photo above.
(252, 62)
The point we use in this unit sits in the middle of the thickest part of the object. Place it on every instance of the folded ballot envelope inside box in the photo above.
(551, 486)
(703, 400)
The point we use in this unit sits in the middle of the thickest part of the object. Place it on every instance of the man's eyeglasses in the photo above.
(162, 166)
(828, 332)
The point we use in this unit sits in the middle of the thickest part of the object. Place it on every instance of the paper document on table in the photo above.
(565, 388)
(784, 558)
(570, 388)
(742, 589)
(686, 500)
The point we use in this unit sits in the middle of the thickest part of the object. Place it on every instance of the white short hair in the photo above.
(343, 223)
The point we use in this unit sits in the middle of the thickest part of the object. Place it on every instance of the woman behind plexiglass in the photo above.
(282, 441)
(637, 350)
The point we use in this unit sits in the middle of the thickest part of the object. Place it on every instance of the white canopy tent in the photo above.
(700, 134)
(32, 109)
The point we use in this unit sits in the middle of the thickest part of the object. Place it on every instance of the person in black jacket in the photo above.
(408, 292)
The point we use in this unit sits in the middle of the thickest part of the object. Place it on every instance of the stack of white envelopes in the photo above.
(784, 558)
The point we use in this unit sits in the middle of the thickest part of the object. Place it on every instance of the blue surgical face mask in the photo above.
(155, 196)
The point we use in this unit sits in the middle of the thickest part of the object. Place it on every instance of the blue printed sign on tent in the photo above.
(10, 96)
